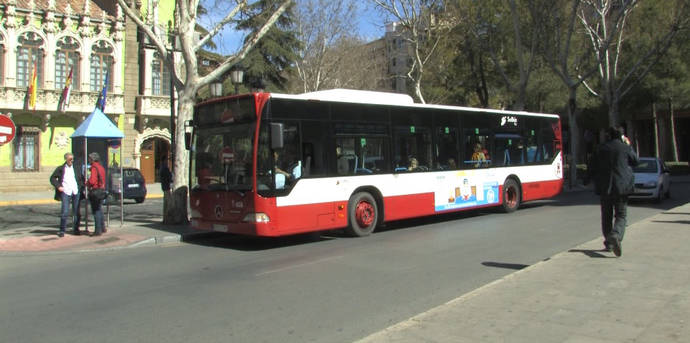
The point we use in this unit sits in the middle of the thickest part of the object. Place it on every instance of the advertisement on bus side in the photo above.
(464, 189)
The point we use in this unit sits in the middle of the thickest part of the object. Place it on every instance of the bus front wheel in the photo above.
(511, 196)
(362, 214)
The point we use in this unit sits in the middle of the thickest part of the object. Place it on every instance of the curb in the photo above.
(146, 242)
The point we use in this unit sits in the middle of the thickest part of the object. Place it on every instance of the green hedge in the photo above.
(678, 168)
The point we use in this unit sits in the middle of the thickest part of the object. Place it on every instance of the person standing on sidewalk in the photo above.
(614, 181)
(166, 180)
(96, 187)
(69, 184)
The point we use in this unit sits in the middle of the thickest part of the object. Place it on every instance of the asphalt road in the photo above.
(296, 289)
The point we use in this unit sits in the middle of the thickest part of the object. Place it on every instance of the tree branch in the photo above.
(242, 4)
(248, 45)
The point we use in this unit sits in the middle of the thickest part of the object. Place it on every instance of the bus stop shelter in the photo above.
(98, 133)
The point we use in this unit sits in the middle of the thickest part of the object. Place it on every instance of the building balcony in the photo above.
(12, 100)
(153, 105)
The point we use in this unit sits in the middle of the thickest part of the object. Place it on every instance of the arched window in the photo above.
(26, 149)
(29, 53)
(160, 76)
(66, 59)
(101, 64)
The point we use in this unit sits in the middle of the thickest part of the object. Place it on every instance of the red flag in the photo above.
(64, 99)
(32, 89)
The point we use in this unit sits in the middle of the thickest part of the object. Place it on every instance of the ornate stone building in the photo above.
(92, 38)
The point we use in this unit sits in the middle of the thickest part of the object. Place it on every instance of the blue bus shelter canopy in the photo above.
(97, 125)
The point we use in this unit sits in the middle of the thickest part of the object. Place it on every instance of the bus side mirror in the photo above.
(277, 140)
(187, 140)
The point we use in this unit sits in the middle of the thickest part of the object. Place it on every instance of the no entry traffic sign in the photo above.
(227, 155)
(7, 129)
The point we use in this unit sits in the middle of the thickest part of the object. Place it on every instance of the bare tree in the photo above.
(423, 26)
(525, 39)
(558, 23)
(322, 25)
(359, 65)
(188, 84)
(605, 24)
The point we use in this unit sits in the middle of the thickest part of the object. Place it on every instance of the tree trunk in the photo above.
(418, 91)
(519, 102)
(674, 145)
(613, 111)
(177, 208)
(574, 134)
(656, 130)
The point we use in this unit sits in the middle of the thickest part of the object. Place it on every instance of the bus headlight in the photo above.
(256, 218)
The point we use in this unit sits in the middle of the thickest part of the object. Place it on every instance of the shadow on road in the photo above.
(591, 253)
(249, 243)
(514, 266)
(673, 221)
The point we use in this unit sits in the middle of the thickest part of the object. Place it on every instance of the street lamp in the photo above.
(216, 88)
(258, 85)
(237, 76)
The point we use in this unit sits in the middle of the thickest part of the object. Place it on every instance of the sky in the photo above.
(370, 23)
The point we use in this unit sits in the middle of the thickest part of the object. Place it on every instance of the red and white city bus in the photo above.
(272, 164)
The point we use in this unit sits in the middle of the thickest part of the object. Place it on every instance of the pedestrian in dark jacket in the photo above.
(166, 180)
(614, 181)
(69, 184)
(165, 174)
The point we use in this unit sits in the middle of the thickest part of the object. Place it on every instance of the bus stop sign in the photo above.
(227, 155)
(7, 129)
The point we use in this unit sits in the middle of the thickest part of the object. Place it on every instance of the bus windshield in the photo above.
(221, 159)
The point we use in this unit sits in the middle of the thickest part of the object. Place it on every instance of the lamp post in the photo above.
(216, 88)
(171, 158)
(237, 76)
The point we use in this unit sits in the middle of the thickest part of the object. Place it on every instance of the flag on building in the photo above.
(33, 84)
(64, 98)
(100, 104)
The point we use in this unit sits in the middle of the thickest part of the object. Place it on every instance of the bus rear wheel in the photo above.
(511, 196)
(363, 214)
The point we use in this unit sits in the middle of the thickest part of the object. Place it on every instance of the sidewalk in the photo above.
(153, 191)
(133, 233)
(580, 295)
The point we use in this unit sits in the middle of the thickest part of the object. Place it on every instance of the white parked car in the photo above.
(652, 180)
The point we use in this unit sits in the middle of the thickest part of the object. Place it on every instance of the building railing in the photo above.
(13, 99)
(153, 105)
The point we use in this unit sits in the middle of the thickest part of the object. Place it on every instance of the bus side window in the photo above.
(316, 148)
(412, 141)
(446, 150)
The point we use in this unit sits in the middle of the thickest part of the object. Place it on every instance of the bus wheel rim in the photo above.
(364, 212)
(511, 196)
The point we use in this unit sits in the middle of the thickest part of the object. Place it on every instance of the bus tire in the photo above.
(511, 196)
(362, 214)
